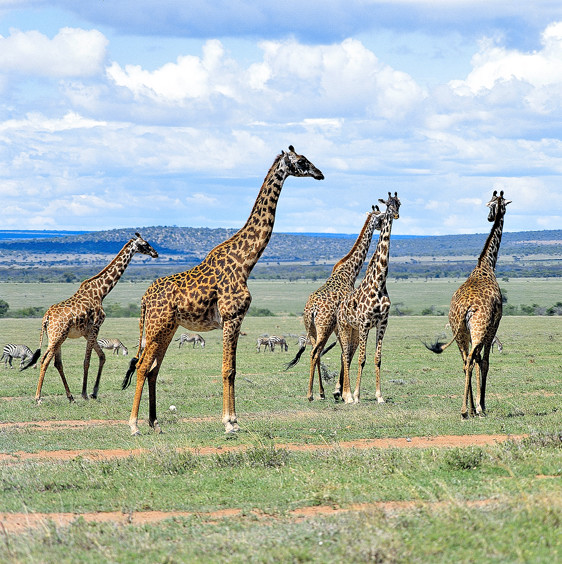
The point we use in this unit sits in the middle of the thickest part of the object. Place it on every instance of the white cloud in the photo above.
(495, 64)
(71, 53)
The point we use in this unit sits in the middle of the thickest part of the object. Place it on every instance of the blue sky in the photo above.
(139, 113)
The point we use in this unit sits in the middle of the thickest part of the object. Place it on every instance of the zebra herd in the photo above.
(270, 342)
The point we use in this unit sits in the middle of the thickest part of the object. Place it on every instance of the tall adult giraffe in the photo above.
(476, 311)
(211, 295)
(321, 308)
(82, 316)
(366, 307)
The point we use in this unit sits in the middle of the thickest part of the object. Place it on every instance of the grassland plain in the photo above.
(289, 487)
(288, 298)
(258, 497)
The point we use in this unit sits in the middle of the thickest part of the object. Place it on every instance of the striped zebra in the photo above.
(22, 352)
(303, 341)
(498, 343)
(113, 345)
(275, 340)
(191, 338)
(262, 342)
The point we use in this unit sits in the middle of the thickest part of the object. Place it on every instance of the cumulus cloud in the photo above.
(495, 64)
(293, 79)
(70, 53)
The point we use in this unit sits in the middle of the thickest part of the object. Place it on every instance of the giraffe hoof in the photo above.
(93, 396)
(135, 433)
(310, 398)
(464, 416)
(38, 401)
(322, 397)
(71, 399)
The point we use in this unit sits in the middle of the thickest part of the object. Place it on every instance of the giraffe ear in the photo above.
(505, 202)
(382, 201)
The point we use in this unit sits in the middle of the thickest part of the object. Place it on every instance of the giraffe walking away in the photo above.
(212, 295)
(476, 311)
(365, 308)
(320, 311)
(82, 316)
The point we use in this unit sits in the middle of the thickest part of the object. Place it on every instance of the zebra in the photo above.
(142, 344)
(113, 344)
(498, 343)
(303, 341)
(191, 338)
(276, 340)
(263, 341)
(22, 352)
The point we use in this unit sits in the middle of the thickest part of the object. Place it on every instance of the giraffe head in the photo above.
(497, 205)
(392, 204)
(141, 246)
(298, 165)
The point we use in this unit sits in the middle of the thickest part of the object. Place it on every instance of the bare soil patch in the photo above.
(20, 522)
(444, 441)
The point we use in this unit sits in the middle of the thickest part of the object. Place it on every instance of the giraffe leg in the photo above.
(101, 356)
(231, 331)
(363, 335)
(87, 356)
(45, 361)
(152, 375)
(483, 374)
(349, 346)
(315, 355)
(381, 330)
(143, 366)
(58, 366)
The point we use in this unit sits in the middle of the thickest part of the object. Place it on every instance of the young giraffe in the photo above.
(476, 311)
(366, 307)
(82, 316)
(211, 295)
(321, 308)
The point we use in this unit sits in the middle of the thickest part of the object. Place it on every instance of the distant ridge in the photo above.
(18, 234)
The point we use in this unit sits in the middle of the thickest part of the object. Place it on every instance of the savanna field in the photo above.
(404, 481)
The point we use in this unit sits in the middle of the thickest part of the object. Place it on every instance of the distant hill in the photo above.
(525, 253)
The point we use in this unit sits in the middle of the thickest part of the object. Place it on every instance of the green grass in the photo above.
(288, 298)
(499, 502)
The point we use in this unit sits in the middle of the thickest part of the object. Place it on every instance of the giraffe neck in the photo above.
(350, 265)
(489, 255)
(252, 239)
(101, 284)
(377, 270)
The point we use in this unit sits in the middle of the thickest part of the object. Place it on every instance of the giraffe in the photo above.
(82, 316)
(366, 307)
(321, 308)
(476, 311)
(212, 295)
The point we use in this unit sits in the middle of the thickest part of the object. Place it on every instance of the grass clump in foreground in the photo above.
(499, 531)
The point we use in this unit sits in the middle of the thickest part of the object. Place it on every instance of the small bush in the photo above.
(463, 458)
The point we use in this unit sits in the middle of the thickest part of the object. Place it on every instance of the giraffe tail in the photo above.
(32, 361)
(328, 348)
(295, 360)
(37, 353)
(438, 347)
(130, 372)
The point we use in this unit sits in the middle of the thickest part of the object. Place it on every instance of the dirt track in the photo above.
(19, 522)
